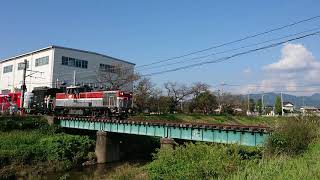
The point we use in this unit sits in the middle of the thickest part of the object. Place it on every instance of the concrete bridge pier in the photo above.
(167, 143)
(106, 150)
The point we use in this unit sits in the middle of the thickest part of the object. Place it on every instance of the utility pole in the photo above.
(23, 87)
(219, 99)
(262, 104)
(57, 83)
(281, 105)
(74, 78)
(248, 102)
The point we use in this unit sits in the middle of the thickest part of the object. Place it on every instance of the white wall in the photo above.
(89, 75)
(13, 79)
(55, 70)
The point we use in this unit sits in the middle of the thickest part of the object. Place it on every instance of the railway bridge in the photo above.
(106, 150)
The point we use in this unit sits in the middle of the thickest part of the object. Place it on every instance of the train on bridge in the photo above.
(70, 101)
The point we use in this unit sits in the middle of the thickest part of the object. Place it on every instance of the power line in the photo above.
(227, 43)
(273, 85)
(212, 54)
(231, 50)
(232, 56)
(234, 41)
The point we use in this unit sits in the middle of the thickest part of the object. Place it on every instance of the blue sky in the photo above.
(147, 31)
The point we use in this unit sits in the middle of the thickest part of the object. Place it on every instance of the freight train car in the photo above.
(41, 100)
(10, 103)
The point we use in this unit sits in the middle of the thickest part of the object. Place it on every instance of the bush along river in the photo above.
(31, 149)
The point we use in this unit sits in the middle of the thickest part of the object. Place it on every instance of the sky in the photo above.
(145, 31)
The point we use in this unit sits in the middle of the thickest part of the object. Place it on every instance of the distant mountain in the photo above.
(298, 101)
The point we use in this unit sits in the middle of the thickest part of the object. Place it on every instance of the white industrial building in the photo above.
(47, 67)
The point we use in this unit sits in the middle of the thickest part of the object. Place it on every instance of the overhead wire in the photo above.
(231, 50)
(232, 56)
(209, 55)
(234, 41)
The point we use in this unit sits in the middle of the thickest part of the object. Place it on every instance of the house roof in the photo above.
(287, 102)
(60, 47)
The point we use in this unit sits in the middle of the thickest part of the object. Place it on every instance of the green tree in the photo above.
(252, 105)
(205, 102)
(268, 109)
(277, 106)
(259, 106)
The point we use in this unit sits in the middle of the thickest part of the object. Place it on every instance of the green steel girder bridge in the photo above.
(217, 133)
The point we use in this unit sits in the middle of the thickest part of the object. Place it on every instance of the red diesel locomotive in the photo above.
(78, 101)
(73, 101)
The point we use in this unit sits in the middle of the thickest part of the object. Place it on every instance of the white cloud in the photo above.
(295, 57)
(296, 66)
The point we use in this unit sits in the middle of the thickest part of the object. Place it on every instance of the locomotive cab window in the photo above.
(75, 90)
(125, 102)
(112, 101)
(120, 102)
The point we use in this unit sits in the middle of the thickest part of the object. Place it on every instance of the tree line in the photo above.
(176, 97)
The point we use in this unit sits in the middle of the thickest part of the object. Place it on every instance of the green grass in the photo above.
(215, 119)
(29, 144)
(305, 166)
(38, 149)
(128, 171)
(8, 123)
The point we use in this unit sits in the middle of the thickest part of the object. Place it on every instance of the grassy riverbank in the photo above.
(28, 146)
(215, 119)
(292, 152)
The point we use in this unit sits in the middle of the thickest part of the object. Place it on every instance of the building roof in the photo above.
(309, 108)
(60, 47)
(288, 103)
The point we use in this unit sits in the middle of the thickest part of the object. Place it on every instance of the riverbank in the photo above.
(30, 147)
(214, 119)
(291, 152)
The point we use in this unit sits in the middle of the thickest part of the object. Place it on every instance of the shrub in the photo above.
(29, 147)
(64, 147)
(194, 161)
(292, 136)
(304, 166)
(22, 123)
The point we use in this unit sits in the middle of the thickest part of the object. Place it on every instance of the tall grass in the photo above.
(197, 161)
(291, 152)
(293, 136)
(128, 172)
(32, 146)
(305, 166)
(31, 141)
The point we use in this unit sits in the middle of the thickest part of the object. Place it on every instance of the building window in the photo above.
(107, 68)
(7, 69)
(68, 61)
(21, 65)
(64, 60)
(42, 61)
